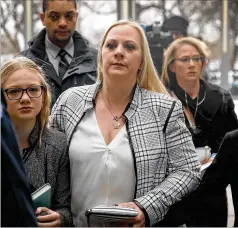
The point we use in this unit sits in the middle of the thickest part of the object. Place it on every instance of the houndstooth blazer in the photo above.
(166, 166)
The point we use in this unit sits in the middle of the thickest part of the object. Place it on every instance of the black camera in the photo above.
(158, 40)
(158, 37)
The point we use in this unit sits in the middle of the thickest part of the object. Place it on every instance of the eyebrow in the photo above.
(127, 41)
(55, 12)
(189, 56)
(17, 86)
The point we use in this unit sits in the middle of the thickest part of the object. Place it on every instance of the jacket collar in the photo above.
(34, 136)
(35, 163)
(212, 100)
(131, 108)
(37, 45)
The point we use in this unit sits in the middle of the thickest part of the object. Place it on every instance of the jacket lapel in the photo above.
(211, 103)
(81, 53)
(35, 170)
(34, 165)
(48, 67)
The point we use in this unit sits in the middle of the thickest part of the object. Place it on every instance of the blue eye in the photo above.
(197, 59)
(33, 89)
(14, 91)
(130, 46)
(111, 45)
(185, 60)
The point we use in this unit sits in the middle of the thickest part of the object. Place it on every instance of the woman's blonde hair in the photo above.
(24, 63)
(170, 53)
(147, 77)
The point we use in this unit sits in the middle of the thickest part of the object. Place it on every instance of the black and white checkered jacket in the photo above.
(166, 166)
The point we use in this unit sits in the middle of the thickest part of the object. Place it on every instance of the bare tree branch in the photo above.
(93, 9)
(206, 12)
(13, 41)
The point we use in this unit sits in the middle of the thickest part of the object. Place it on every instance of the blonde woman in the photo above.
(45, 152)
(119, 153)
(208, 108)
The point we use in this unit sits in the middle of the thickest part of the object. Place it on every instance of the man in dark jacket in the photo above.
(205, 207)
(61, 51)
(16, 204)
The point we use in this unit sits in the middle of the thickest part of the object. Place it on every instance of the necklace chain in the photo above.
(116, 125)
(192, 125)
(197, 103)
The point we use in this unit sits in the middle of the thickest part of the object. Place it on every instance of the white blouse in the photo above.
(101, 174)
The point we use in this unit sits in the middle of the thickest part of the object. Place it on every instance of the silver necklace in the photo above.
(192, 125)
(116, 124)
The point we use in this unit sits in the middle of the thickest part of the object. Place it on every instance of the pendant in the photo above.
(116, 125)
(193, 127)
(116, 118)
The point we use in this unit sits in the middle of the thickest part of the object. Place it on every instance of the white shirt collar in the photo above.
(54, 49)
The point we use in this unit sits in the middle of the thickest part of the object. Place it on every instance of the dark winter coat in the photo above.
(82, 69)
(206, 207)
(215, 114)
